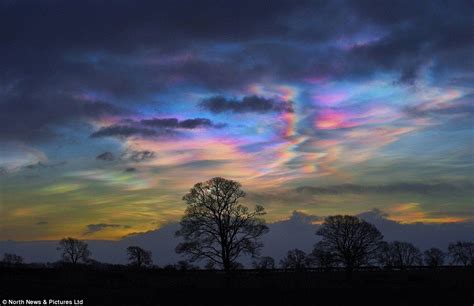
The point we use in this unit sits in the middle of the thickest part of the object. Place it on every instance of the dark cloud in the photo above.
(94, 228)
(195, 123)
(151, 22)
(220, 47)
(161, 122)
(174, 123)
(102, 54)
(37, 113)
(138, 156)
(249, 104)
(127, 156)
(124, 131)
(41, 165)
(101, 109)
(417, 34)
(106, 156)
(155, 127)
(42, 110)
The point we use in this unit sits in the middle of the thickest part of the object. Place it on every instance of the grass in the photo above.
(121, 285)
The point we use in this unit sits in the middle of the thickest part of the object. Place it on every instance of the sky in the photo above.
(111, 111)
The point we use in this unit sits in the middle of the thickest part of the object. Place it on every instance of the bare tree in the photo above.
(295, 259)
(264, 263)
(73, 250)
(433, 257)
(321, 257)
(403, 254)
(462, 252)
(384, 256)
(138, 256)
(216, 227)
(352, 241)
(12, 259)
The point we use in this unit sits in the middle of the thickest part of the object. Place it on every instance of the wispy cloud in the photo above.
(94, 228)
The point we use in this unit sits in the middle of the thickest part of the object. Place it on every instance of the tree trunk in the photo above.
(349, 271)
(228, 271)
(227, 265)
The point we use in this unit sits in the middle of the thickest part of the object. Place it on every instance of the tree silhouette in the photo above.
(433, 257)
(321, 256)
(73, 250)
(216, 227)
(401, 254)
(384, 256)
(138, 256)
(264, 263)
(462, 252)
(12, 259)
(352, 241)
(295, 259)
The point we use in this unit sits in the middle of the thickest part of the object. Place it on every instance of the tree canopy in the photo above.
(139, 257)
(74, 250)
(295, 259)
(352, 241)
(462, 252)
(217, 227)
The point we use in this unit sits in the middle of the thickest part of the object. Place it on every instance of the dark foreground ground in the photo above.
(123, 286)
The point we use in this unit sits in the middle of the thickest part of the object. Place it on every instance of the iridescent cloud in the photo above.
(112, 125)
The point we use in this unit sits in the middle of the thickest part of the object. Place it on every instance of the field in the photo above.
(119, 285)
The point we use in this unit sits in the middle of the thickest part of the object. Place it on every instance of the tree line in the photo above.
(218, 229)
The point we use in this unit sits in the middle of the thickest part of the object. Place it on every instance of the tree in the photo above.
(264, 263)
(295, 259)
(138, 256)
(433, 257)
(12, 259)
(462, 252)
(321, 257)
(403, 254)
(216, 227)
(352, 241)
(74, 250)
(384, 256)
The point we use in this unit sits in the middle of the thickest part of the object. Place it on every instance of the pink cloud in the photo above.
(329, 99)
(331, 119)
